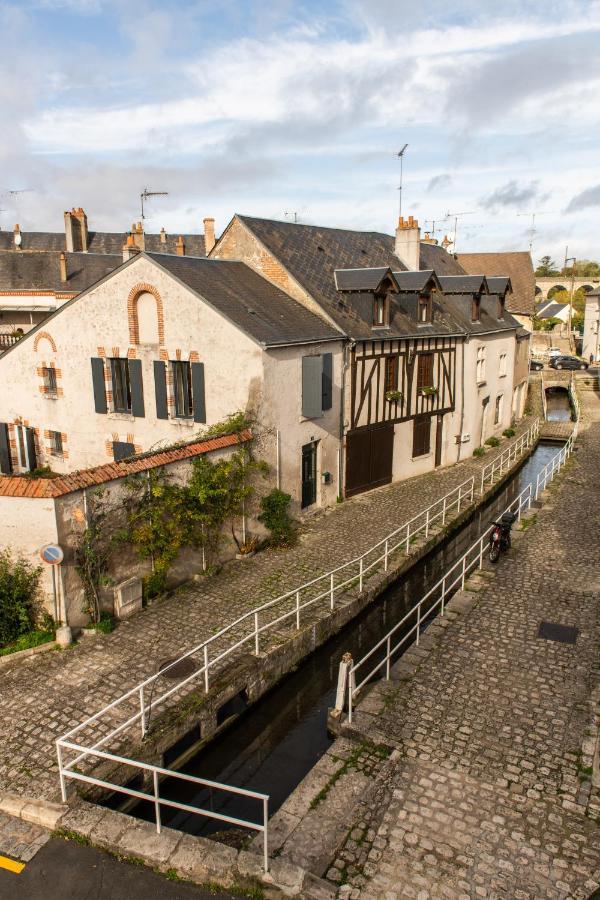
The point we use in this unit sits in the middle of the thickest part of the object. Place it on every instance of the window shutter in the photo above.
(5, 460)
(312, 386)
(99, 386)
(421, 436)
(160, 389)
(137, 388)
(122, 449)
(198, 393)
(31, 456)
(327, 392)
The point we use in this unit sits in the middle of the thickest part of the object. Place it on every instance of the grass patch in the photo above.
(479, 452)
(493, 442)
(527, 522)
(106, 624)
(74, 836)
(27, 641)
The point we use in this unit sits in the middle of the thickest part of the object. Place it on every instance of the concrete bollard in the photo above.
(64, 636)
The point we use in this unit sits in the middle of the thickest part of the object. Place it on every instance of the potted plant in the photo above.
(248, 548)
(429, 391)
(394, 396)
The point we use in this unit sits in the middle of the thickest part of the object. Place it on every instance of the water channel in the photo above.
(273, 745)
(558, 408)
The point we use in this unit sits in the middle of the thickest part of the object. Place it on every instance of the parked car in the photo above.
(568, 362)
(554, 351)
(535, 365)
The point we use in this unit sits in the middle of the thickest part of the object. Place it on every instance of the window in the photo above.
(56, 443)
(502, 364)
(317, 385)
(182, 387)
(49, 375)
(475, 309)
(380, 310)
(121, 385)
(480, 365)
(498, 410)
(425, 309)
(122, 450)
(26, 448)
(424, 370)
(391, 373)
(421, 436)
(501, 302)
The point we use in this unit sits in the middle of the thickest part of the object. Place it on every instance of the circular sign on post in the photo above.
(52, 554)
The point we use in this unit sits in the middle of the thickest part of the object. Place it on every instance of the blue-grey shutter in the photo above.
(160, 390)
(122, 449)
(312, 386)
(198, 393)
(99, 385)
(5, 460)
(326, 401)
(137, 388)
(31, 454)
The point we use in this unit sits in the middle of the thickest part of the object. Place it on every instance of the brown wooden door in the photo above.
(369, 457)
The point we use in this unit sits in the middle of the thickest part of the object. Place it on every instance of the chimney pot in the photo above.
(130, 248)
(180, 246)
(63, 267)
(209, 235)
(17, 237)
(163, 236)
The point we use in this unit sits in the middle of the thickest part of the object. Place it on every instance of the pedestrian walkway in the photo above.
(489, 793)
(44, 697)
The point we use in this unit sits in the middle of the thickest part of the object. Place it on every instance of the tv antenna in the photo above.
(532, 229)
(146, 194)
(400, 155)
(456, 217)
(288, 215)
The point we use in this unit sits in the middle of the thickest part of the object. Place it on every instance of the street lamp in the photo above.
(401, 155)
(573, 260)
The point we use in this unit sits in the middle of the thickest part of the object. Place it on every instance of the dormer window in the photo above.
(476, 308)
(380, 311)
(501, 304)
(425, 309)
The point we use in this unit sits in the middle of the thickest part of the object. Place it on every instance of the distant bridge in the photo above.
(563, 283)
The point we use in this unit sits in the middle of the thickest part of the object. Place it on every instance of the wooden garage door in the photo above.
(369, 454)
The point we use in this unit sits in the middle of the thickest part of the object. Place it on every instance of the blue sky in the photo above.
(275, 108)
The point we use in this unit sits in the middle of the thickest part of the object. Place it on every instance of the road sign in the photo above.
(52, 554)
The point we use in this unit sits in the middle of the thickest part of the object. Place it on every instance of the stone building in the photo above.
(515, 265)
(591, 327)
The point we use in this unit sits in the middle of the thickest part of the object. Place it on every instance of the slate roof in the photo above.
(40, 270)
(416, 281)
(248, 300)
(459, 306)
(432, 256)
(361, 279)
(101, 242)
(463, 284)
(499, 284)
(312, 253)
(552, 309)
(516, 265)
(22, 486)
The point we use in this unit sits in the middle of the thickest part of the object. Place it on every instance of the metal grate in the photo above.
(181, 669)
(563, 634)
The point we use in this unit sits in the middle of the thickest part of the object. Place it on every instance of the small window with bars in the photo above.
(49, 375)
(56, 443)
(424, 370)
(121, 385)
(182, 389)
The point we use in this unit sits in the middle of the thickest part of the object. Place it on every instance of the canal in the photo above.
(558, 407)
(273, 745)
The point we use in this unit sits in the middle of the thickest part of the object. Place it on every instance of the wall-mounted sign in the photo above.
(52, 554)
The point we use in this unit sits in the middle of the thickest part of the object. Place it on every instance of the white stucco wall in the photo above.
(476, 424)
(27, 525)
(591, 329)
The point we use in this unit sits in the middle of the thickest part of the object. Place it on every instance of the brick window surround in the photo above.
(132, 318)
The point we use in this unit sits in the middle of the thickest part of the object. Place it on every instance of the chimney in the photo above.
(17, 237)
(130, 249)
(408, 241)
(163, 236)
(63, 267)
(137, 232)
(428, 239)
(180, 246)
(76, 230)
(446, 243)
(209, 235)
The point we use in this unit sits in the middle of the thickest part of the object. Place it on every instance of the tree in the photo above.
(546, 268)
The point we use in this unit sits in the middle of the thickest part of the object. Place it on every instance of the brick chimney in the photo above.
(63, 267)
(17, 237)
(163, 236)
(209, 235)
(408, 243)
(180, 246)
(76, 230)
(130, 248)
(137, 232)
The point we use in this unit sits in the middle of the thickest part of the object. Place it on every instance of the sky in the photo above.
(287, 109)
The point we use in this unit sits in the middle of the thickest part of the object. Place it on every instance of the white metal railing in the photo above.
(156, 773)
(454, 577)
(505, 460)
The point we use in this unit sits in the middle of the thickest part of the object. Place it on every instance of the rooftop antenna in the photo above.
(532, 229)
(456, 217)
(289, 214)
(400, 154)
(432, 229)
(146, 194)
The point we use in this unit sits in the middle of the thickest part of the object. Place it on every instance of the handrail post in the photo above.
(331, 591)
(459, 498)
(444, 508)
(388, 653)
(385, 558)
(256, 642)
(481, 553)
(482, 478)
(427, 522)
(418, 623)
(142, 711)
(443, 596)
(360, 576)
(63, 785)
(298, 610)
(464, 571)
(349, 699)
(407, 537)
(206, 668)
(265, 833)
(156, 801)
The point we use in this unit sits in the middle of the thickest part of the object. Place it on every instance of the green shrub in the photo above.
(276, 517)
(106, 624)
(31, 639)
(493, 442)
(509, 432)
(20, 609)
(479, 451)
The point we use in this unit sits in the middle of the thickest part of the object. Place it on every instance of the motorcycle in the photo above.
(500, 536)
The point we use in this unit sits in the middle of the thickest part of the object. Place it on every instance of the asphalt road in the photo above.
(63, 870)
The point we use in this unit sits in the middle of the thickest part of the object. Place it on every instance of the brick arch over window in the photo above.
(43, 335)
(134, 329)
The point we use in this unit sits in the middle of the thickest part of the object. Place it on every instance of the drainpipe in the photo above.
(278, 458)
(345, 367)
(462, 396)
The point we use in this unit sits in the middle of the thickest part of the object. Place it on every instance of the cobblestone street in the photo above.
(491, 794)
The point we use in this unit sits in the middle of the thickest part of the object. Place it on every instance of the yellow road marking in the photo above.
(11, 864)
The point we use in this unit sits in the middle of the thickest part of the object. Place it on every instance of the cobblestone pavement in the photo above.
(492, 794)
(50, 693)
(20, 840)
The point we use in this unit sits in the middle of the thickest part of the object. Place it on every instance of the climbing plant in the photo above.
(92, 550)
